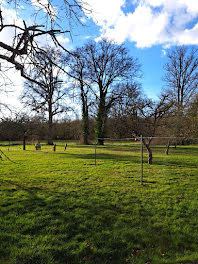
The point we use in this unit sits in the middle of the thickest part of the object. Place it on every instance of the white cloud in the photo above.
(87, 37)
(83, 20)
(46, 40)
(191, 5)
(11, 85)
(188, 36)
(147, 22)
(144, 32)
(10, 17)
(10, 79)
(105, 13)
(63, 40)
(155, 3)
(164, 52)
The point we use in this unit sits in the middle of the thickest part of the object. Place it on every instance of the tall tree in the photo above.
(78, 72)
(48, 95)
(108, 64)
(181, 75)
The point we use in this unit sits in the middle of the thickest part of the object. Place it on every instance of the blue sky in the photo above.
(152, 60)
(149, 29)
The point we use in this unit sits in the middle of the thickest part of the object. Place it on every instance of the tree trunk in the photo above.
(100, 128)
(101, 121)
(167, 148)
(85, 117)
(85, 128)
(24, 142)
(50, 127)
(150, 155)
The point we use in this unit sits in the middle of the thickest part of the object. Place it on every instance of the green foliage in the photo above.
(58, 208)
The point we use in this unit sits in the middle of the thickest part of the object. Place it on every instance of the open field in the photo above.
(59, 208)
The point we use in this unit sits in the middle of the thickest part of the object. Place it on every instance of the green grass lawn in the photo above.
(59, 208)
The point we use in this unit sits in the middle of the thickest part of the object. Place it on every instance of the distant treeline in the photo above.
(118, 127)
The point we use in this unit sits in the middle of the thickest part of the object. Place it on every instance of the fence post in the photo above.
(95, 151)
(141, 160)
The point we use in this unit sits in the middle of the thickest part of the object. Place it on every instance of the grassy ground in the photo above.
(59, 208)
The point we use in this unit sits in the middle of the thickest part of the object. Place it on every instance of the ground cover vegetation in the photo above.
(58, 207)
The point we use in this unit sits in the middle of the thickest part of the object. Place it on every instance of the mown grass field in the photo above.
(59, 208)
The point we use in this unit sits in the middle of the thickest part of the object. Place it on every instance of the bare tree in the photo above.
(18, 128)
(149, 120)
(193, 116)
(24, 125)
(108, 66)
(125, 112)
(48, 95)
(78, 73)
(181, 75)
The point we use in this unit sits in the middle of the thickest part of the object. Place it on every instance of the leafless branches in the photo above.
(25, 38)
(46, 95)
(181, 75)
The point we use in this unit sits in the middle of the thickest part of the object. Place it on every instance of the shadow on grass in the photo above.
(109, 147)
(76, 226)
(178, 163)
(135, 159)
(107, 157)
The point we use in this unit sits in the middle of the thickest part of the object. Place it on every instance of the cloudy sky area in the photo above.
(149, 28)
(147, 22)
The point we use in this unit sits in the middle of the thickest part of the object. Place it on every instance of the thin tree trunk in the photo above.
(100, 129)
(101, 122)
(24, 142)
(85, 117)
(50, 104)
(85, 128)
(150, 155)
(50, 127)
(149, 151)
(167, 148)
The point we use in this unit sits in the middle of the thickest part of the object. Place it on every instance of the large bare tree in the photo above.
(49, 94)
(78, 73)
(181, 75)
(108, 66)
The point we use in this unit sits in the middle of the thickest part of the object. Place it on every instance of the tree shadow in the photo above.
(106, 156)
(178, 163)
(81, 225)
